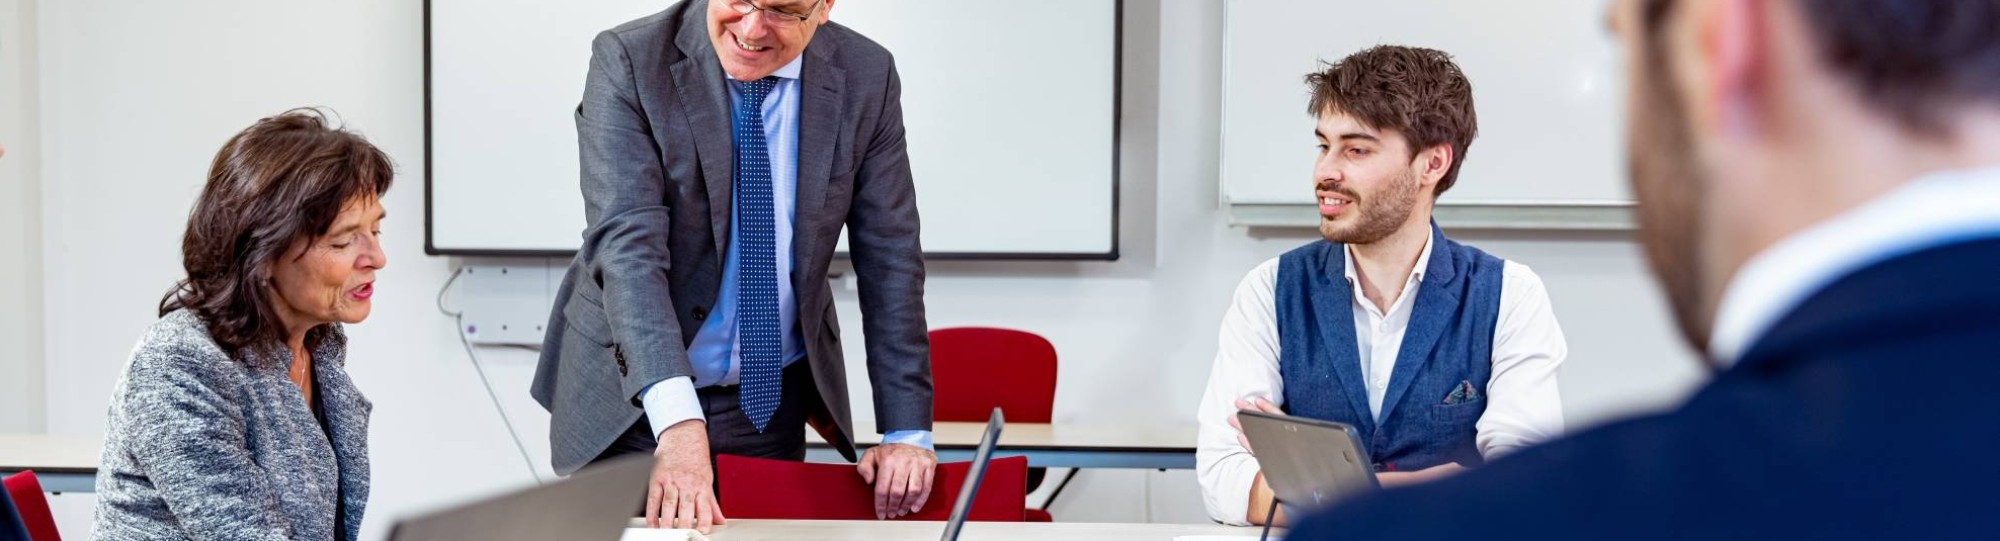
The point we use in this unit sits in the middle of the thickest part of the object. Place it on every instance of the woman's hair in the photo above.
(274, 186)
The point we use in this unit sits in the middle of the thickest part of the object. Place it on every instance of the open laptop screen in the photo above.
(966, 493)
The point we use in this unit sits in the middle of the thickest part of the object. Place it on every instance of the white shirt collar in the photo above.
(791, 69)
(1416, 273)
(1932, 210)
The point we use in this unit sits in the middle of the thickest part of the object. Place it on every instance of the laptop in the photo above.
(593, 504)
(963, 506)
(1310, 464)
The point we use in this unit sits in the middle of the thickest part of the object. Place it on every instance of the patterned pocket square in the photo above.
(1464, 392)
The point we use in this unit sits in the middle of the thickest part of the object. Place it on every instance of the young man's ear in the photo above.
(1433, 163)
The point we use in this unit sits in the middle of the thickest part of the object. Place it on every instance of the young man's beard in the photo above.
(1381, 214)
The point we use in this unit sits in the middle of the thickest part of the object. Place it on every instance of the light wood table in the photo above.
(898, 530)
(1047, 445)
(69, 463)
(62, 463)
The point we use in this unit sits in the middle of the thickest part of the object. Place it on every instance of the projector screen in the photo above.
(1011, 117)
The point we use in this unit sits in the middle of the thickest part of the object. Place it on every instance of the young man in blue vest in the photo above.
(1819, 191)
(1442, 355)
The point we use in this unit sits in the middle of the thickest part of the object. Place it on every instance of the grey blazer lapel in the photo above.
(698, 86)
(820, 119)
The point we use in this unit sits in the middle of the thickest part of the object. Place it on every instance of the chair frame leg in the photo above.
(1067, 476)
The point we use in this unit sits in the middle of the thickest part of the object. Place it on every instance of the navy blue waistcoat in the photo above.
(1448, 347)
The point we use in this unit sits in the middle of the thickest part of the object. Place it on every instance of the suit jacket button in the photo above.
(700, 313)
(618, 354)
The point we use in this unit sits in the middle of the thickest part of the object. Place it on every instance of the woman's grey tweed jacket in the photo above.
(200, 446)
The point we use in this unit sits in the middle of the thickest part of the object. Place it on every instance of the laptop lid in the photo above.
(1309, 463)
(963, 506)
(595, 504)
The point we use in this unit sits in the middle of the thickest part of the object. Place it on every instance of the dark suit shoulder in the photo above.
(651, 35)
(1870, 426)
(658, 26)
(868, 64)
(852, 46)
(1936, 289)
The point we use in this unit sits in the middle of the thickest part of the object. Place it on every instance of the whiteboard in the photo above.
(1011, 118)
(1547, 86)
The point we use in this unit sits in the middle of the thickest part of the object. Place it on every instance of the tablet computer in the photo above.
(1310, 464)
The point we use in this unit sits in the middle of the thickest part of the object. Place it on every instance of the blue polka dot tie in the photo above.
(757, 338)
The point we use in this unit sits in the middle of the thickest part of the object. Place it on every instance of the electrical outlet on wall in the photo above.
(506, 304)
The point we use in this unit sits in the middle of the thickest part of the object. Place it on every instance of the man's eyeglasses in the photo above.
(774, 17)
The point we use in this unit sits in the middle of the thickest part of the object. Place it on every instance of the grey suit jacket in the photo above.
(201, 446)
(657, 152)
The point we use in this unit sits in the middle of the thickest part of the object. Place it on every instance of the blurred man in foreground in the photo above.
(1819, 192)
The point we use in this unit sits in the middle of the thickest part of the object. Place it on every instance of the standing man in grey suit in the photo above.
(724, 145)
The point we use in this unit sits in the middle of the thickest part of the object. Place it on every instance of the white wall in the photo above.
(136, 97)
(21, 401)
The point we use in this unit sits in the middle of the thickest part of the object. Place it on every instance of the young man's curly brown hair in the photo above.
(1417, 92)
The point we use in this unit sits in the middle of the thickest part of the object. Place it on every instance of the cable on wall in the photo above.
(458, 323)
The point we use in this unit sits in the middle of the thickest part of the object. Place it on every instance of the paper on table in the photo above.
(651, 534)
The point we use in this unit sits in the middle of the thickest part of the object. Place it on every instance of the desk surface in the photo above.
(868, 530)
(59, 453)
(52, 453)
(1046, 436)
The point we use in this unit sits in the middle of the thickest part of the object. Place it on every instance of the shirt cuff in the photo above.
(919, 438)
(671, 401)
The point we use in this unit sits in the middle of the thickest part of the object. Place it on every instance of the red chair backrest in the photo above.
(976, 369)
(33, 506)
(782, 489)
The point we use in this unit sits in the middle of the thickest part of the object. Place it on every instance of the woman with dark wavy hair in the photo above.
(235, 418)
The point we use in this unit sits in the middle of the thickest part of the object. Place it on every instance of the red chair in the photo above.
(976, 369)
(782, 489)
(33, 506)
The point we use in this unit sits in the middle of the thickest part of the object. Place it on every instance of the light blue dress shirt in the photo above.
(713, 353)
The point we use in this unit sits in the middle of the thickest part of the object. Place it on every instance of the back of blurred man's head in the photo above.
(1750, 120)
